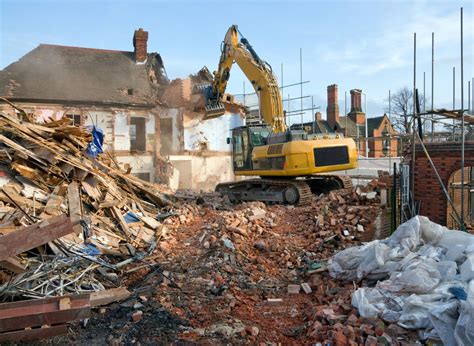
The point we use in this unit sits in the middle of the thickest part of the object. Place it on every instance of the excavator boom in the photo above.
(257, 71)
(290, 164)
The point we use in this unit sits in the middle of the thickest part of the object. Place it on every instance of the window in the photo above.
(76, 119)
(142, 176)
(259, 136)
(133, 132)
(137, 134)
(237, 146)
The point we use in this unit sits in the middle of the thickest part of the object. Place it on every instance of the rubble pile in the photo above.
(233, 273)
(81, 233)
(75, 213)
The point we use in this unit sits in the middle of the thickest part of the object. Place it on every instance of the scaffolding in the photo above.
(437, 116)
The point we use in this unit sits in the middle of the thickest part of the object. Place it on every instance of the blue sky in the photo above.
(355, 44)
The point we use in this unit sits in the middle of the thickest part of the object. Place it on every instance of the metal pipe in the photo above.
(313, 115)
(288, 111)
(462, 124)
(413, 154)
(390, 133)
(454, 100)
(424, 92)
(432, 83)
(394, 196)
(366, 130)
(345, 113)
(301, 85)
(284, 115)
(469, 96)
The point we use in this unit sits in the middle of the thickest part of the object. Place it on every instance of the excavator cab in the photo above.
(244, 140)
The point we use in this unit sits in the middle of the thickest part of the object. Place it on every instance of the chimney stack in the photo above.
(332, 109)
(356, 113)
(317, 116)
(356, 100)
(140, 39)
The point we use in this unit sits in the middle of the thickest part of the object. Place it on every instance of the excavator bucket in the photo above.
(214, 110)
(213, 107)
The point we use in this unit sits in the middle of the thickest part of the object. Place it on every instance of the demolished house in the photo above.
(120, 92)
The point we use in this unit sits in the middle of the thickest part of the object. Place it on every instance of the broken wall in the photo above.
(129, 133)
(211, 134)
(202, 173)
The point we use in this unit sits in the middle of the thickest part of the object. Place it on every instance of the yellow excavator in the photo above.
(287, 162)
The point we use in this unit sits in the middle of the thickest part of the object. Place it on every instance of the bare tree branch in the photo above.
(402, 109)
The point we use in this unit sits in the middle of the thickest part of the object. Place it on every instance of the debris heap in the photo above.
(80, 207)
(76, 230)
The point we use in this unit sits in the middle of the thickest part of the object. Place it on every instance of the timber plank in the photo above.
(40, 233)
(46, 311)
(33, 334)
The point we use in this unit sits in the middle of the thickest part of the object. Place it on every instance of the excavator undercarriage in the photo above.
(285, 191)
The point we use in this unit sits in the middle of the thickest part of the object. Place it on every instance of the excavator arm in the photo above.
(257, 71)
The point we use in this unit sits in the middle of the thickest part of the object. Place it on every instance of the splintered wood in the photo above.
(63, 212)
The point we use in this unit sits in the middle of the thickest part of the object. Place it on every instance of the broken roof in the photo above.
(73, 74)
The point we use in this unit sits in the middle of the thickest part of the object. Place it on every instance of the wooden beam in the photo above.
(33, 334)
(109, 296)
(75, 206)
(14, 265)
(38, 312)
(28, 238)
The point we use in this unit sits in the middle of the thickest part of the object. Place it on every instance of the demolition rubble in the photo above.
(113, 259)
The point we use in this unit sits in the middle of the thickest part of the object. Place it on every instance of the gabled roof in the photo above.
(374, 123)
(319, 126)
(352, 127)
(73, 74)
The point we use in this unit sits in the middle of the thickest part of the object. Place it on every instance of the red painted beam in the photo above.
(30, 237)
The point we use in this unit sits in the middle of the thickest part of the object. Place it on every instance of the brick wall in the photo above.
(447, 159)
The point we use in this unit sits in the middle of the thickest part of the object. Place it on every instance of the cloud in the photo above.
(392, 48)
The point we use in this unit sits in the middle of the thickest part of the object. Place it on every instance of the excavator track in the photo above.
(285, 191)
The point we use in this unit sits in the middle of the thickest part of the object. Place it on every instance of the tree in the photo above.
(402, 109)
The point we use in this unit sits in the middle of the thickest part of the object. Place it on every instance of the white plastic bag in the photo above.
(406, 237)
(420, 276)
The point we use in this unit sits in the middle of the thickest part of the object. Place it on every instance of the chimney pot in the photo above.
(140, 39)
(317, 116)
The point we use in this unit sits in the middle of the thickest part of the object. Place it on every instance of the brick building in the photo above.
(429, 195)
(353, 125)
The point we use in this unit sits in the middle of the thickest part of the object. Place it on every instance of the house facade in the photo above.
(126, 94)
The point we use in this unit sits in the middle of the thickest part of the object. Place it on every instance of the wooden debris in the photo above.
(30, 237)
(109, 296)
(19, 319)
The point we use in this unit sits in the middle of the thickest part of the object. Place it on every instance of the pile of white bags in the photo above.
(425, 278)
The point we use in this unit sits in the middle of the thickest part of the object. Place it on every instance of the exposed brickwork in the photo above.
(332, 110)
(356, 113)
(447, 159)
(140, 39)
(356, 97)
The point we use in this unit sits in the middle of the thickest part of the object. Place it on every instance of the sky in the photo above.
(366, 45)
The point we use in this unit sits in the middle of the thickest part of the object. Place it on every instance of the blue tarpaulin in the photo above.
(94, 148)
(130, 217)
